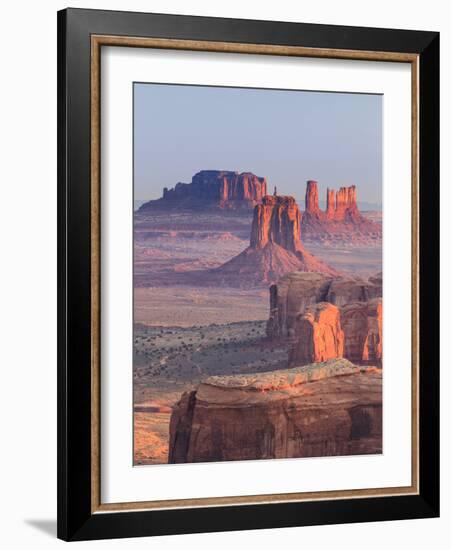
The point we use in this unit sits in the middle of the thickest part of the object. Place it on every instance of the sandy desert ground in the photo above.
(171, 360)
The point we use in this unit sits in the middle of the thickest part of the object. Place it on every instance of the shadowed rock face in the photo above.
(294, 292)
(343, 290)
(213, 188)
(362, 325)
(323, 410)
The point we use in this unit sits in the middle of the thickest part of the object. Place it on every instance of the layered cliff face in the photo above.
(319, 336)
(311, 198)
(325, 332)
(213, 188)
(327, 409)
(278, 221)
(275, 247)
(362, 325)
(341, 220)
(295, 292)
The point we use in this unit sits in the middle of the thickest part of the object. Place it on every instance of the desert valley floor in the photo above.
(188, 329)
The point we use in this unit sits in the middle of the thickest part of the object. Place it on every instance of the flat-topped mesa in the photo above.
(214, 188)
(277, 220)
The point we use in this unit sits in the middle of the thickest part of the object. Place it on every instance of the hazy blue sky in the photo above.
(286, 136)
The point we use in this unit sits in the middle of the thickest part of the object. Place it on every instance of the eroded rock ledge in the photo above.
(326, 409)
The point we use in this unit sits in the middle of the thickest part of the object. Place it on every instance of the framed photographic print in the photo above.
(248, 274)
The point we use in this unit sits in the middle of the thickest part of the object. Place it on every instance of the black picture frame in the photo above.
(76, 521)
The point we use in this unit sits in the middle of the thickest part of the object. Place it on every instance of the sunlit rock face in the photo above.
(341, 220)
(325, 331)
(319, 335)
(327, 409)
(278, 221)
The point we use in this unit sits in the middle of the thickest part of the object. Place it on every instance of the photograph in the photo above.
(257, 273)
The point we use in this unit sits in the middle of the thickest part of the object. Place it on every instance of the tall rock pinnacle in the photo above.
(330, 208)
(311, 197)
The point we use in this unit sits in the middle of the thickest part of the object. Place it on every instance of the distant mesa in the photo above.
(240, 192)
(275, 247)
(341, 219)
(213, 189)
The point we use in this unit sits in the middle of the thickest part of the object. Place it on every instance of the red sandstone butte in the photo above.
(213, 188)
(319, 336)
(277, 221)
(341, 220)
(275, 247)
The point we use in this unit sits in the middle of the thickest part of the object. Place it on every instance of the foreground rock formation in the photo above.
(326, 332)
(319, 335)
(213, 188)
(327, 409)
(275, 247)
(294, 292)
(326, 318)
(341, 220)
